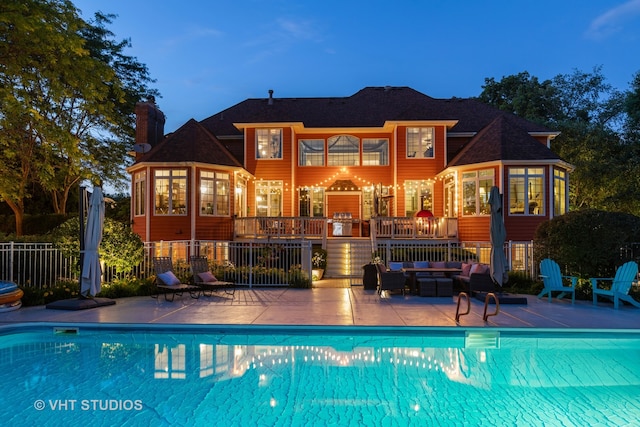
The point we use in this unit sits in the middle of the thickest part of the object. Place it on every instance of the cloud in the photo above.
(612, 21)
(281, 36)
(190, 35)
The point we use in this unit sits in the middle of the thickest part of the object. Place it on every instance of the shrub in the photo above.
(121, 248)
(587, 243)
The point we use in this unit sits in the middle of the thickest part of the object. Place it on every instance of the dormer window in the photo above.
(268, 143)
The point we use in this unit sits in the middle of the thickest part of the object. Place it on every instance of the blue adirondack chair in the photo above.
(554, 281)
(626, 274)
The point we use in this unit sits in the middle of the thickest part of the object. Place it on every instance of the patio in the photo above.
(334, 304)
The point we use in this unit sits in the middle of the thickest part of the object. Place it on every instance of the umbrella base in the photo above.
(80, 303)
(503, 298)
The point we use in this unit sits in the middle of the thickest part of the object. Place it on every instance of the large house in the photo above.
(381, 154)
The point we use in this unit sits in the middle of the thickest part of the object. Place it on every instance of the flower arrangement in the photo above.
(376, 260)
(319, 259)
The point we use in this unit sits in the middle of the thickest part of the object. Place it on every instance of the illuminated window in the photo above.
(268, 143)
(526, 191)
(311, 152)
(344, 150)
(559, 192)
(420, 143)
(214, 193)
(171, 192)
(269, 198)
(139, 193)
(375, 152)
(418, 195)
(476, 186)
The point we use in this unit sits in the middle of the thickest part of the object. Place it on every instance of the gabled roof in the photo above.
(502, 139)
(180, 147)
(369, 107)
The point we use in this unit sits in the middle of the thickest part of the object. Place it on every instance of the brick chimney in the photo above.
(149, 123)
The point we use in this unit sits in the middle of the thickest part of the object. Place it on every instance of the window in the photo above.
(312, 202)
(139, 193)
(559, 192)
(420, 143)
(214, 193)
(311, 152)
(375, 152)
(418, 195)
(268, 143)
(269, 198)
(344, 150)
(171, 192)
(526, 192)
(475, 192)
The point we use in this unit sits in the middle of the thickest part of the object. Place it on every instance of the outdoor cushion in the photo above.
(207, 277)
(438, 264)
(421, 264)
(168, 278)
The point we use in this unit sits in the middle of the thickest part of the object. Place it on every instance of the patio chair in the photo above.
(554, 281)
(390, 280)
(626, 274)
(167, 282)
(203, 277)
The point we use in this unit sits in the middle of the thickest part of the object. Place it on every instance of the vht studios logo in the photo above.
(88, 405)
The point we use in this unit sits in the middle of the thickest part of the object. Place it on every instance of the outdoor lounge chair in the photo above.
(167, 282)
(390, 280)
(554, 281)
(626, 274)
(203, 278)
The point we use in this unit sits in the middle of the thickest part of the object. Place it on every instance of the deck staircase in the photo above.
(346, 256)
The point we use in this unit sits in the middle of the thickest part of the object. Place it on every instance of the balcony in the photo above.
(320, 228)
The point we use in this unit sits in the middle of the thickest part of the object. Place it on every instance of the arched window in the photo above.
(344, 150)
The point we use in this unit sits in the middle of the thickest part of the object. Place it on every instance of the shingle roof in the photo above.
(369, 107)
(180, 147)
(502, 139)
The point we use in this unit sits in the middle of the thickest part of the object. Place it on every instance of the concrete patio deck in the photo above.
(334, 304)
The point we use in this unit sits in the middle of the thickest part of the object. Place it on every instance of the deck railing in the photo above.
(318, 228)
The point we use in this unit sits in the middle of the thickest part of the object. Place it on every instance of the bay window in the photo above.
(526, 191)
(476, 186)
(170, 192)
(214, 193)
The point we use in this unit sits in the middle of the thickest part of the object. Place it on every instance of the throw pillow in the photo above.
(438, 264)
(168, 278)
(207, 277)
(421, 264)
(466, 269)
(395, 266)
(475, 268)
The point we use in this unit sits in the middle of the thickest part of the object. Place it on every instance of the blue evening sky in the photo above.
(208, 55)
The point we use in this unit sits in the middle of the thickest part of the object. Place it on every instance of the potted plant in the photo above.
(319, 262)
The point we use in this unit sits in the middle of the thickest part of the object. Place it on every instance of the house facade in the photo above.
(384, 152)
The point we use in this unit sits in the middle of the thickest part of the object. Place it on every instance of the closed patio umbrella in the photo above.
(91, 269)
(498, 235)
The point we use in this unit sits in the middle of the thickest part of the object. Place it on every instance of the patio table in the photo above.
(413, 270)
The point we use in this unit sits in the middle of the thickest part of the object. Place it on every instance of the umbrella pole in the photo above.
(81, 219)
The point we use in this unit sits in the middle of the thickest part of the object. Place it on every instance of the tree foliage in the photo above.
(67, 97)
(589, 242)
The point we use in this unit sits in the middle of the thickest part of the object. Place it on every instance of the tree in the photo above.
(524, 96)
(67, 97)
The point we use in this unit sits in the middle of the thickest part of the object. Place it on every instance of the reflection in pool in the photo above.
(318, 376)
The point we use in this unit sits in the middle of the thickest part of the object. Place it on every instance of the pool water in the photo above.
(288, 376)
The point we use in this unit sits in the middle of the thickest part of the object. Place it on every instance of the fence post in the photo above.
(11, 261)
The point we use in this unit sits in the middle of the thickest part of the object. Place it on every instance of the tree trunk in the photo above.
(18, 210)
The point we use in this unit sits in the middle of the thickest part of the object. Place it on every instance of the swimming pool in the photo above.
(283, 376)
